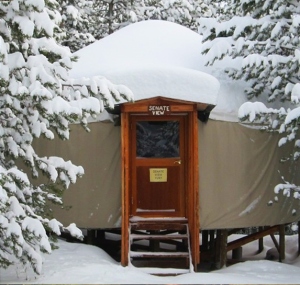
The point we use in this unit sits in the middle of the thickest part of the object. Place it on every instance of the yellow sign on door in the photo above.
(158, 174)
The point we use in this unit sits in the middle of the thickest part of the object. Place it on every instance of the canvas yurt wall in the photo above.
(239, 168)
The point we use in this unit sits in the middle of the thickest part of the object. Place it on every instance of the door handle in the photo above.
(177, 161)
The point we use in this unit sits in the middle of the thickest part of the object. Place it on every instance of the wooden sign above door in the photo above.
(159, 110)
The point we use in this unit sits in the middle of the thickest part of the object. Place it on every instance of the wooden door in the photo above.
(158, 166)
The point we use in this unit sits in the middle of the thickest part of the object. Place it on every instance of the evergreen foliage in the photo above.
(183, 12)
(110, 15)
(85, 20)
(37, 98)
(75, 24)
(265, 36)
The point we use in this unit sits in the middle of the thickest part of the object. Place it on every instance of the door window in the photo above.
(157, 139)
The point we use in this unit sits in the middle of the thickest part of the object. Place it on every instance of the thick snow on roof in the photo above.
(160, 58)
(152, 58)
(176, 82)
(158, 43)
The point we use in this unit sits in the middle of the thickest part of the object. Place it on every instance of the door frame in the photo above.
(169, 106)
(158, 162)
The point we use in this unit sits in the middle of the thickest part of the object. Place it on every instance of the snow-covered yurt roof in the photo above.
(161, 58)
(152, 58)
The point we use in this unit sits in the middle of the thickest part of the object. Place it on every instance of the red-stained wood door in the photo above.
(158, 165)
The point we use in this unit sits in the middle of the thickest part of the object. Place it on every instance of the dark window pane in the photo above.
(157, 139)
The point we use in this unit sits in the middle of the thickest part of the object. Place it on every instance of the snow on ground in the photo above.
(76, 263)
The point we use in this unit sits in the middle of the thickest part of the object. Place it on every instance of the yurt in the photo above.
(175, 162)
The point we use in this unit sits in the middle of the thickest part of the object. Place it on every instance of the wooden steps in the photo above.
(164, 271)
(159, 254)
(159, 237)
(160, 246)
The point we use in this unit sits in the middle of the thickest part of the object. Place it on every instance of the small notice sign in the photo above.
(158, 174)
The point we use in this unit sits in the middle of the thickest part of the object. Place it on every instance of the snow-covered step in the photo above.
(158, 237)
(150, 254)
(163, 271)
(158, 226)
(135, 219)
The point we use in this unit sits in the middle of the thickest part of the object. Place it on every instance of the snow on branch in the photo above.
(56, 167)
(254, 110)
(217, 49)
(101, 88)
(295, 93)
(74, 231)
(287, 189)
(276, 120)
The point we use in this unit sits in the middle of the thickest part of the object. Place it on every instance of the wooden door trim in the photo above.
(193, 217)
(125, 186)
(192, 184)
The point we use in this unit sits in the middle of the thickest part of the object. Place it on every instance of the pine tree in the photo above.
(265, 36)
(83, 21)
(183, 12)
(75, 24)
(37, 98)
(109, 16)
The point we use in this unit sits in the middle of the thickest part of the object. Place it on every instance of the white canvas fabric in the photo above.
(238, 172)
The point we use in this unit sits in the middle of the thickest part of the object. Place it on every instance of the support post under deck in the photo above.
(221, 249)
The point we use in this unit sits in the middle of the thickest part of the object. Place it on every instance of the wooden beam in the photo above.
(175, 105)
(134, 108)
(130, 106)
(221, 249)
(204, 237)
(154, 244)
(255, 236)
(125, 189)
(91, 234)
(181, 108)
(195, 187)
(211, 239)
(275, 242)
(237, 253)
(299, 238)
(260, 241)
(281, 243)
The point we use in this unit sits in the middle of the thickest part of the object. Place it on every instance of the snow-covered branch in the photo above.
(267, 40)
